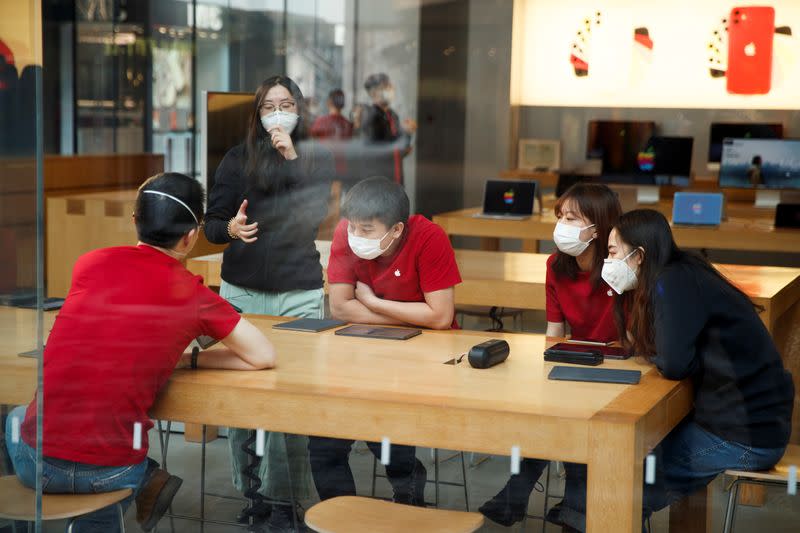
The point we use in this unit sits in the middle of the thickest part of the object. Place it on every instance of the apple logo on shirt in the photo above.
(397, 273)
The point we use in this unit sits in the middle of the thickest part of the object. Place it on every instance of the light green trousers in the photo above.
(279, 454)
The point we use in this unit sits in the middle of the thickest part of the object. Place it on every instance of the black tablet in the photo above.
(313, 325)
(599, 375)
(378, 332)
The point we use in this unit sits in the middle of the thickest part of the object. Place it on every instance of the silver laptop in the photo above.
(508, 199)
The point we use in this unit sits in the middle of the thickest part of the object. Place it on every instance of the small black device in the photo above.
(590, 357)
(489, 353)
(596, 375)
(787, 216)
(608, 352)
(313, 325)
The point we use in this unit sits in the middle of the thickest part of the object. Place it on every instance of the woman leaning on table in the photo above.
(578, 298)
(269, 197)
(692, 323)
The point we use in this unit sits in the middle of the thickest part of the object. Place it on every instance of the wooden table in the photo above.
(737, 233)
(368, 389)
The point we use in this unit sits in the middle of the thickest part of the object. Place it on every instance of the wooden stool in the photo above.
(354, 514)
(18, 502)
(778, 476)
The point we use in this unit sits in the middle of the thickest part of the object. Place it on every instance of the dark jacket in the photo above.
(384, 144)
(706, 330)
(284, 256)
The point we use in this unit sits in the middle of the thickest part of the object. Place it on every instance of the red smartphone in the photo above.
(750, 34)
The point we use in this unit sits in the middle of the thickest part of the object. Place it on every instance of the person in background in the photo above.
(335, 131)
(128, 318)
(677, 311)
(386, 267)
(578, 299)
(386, 140)
(270, 195)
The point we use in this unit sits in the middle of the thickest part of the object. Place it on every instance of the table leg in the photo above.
(615, 477)
(530, 246)
(490, 244)
(692, 514)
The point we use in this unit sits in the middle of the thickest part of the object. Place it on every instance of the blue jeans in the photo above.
(68, 477)
(688, 459)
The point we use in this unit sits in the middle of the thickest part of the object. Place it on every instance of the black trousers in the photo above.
(330, 467)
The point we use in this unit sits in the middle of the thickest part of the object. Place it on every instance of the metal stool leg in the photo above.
(546, 496)
(121, 515)
(374, 474)
(464, 477)
(292, 501)
(203, 480)
(436, 476)
(164, 442)
(730, 511)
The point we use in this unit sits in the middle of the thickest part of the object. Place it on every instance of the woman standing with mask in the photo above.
(577, 297)
(685, 317)
(269, 197)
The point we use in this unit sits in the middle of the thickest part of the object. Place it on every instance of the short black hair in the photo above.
(160, 220)
(336, 97)
(377, 198)
(375, 80)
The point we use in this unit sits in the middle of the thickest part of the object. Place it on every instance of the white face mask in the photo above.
(287, 121)
(568, 239)
(366, 248)
(387, 96)
(618, 274)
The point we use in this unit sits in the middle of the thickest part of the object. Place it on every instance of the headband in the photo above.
(177, 200)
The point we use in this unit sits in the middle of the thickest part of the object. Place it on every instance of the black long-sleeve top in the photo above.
(706, 330)
(284, 256)
(385, 144)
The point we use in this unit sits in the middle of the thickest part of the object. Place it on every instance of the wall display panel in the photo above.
(682, 53)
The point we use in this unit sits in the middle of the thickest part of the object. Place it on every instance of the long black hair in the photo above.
(647, 232)
(262, 159)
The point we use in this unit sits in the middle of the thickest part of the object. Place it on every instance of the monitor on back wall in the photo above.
(720, 131)
(618, 143)
(760, 164)
(224, 119)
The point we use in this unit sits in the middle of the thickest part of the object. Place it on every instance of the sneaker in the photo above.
(501, 511)
(415, 494)
(554, 517)
(155, 497)
(280, 520)
(260, 515)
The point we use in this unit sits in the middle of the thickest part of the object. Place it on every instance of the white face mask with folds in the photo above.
(287, 121)
(618, 274)
(568, 239)
(366, 248)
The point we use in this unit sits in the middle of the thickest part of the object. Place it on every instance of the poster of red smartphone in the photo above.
(750, 33)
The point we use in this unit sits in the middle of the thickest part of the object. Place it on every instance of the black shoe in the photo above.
(500, 510)
(280, 520)
(260, 514)
(155, 497)
(554, 517)
(415, 493)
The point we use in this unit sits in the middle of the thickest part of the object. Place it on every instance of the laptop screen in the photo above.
(509, 197)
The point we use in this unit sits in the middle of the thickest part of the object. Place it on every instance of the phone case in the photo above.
(750, 35)
(574, 358)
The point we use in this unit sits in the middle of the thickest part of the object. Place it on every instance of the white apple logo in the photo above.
(750, 50)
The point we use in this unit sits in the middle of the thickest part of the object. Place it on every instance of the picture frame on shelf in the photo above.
(542, 155)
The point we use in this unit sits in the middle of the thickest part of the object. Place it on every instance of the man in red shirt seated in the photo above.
(385, 268)
(129, 316)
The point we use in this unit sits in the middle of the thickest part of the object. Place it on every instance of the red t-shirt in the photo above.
(588, 311)
(130, 313)
(424, 262)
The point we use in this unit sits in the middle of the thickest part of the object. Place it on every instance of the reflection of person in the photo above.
(385, 268)
(270, 196)
(335, 130)
(130, 313)
(754, 172)
(387, 141)
(694, 324)
(576, 296)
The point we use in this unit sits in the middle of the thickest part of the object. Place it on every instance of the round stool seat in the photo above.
(18, 502)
